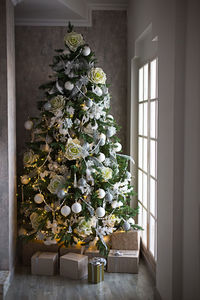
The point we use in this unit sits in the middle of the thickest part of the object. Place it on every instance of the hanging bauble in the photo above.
(126, 226)
(47, 106)
(117, 147)
(101, 157)
(25, 179)
(76, 208)
(98, 91)
(111, 131)
(81, 182)
(22, 231)
(65, 210)
(110, 117)
(101, 193)
(69, 86)
(128, 175)
(28, 125)
(100, 212)
(108, 197)
(102, 139)
(62, 193)
(39, 198)
(89, 103)
(86, 51)
(45, 147)
(114, 204)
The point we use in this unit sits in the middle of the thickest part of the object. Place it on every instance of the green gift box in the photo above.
(96, 269)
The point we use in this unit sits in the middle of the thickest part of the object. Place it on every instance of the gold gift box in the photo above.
(95, 271)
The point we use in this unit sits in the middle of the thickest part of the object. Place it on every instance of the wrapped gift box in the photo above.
(96, 270)
(73, 265)
(125, 240)
(44, 263)
(123, 261)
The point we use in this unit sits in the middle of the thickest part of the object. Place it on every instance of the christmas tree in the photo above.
(75, 187)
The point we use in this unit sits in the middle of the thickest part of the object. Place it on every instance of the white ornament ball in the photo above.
(110, 117)
(101, 157)
(65, 210)
(111, 131)
(47, 106)
(39, 198)
(101, 193)
(69, 86)
(117, 147)
(25, 179)
(126, 226)
(102, 138)
(76, 208)
(61, 193)
(28, 125)
(100, 212)
(98, 91)
(86, 51)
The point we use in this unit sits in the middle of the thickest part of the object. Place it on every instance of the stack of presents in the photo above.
(72, 263)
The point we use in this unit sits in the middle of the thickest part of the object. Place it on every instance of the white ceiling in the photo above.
(59, 12)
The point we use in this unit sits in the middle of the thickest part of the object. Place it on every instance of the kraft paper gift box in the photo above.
(123, 261)
(73, 265)
(96, 269)
(44, 263)
(125, 240)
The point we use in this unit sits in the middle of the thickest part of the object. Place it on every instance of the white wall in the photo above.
(175, 181)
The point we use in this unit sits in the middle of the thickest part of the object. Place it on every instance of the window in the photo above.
(147, 154)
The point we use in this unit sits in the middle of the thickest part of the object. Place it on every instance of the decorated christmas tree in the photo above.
(75, 187)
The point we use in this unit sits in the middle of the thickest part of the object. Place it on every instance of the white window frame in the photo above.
(152, 257)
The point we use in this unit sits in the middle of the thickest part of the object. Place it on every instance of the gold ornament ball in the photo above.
(25, 179)
(39, 198)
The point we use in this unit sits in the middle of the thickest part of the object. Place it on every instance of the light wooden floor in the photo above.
(115, 287)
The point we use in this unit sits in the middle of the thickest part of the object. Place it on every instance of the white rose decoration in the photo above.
(57, 103)
(56, 184)
(97, 75)
(74, 40)
(106, 173)
(73, 149)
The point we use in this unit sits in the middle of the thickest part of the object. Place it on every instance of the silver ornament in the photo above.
(61, 193)
(100, 212)
(47, 106)
(81, 182)
(76, 207)
(126, 226)
(108, 197)
(89, 103)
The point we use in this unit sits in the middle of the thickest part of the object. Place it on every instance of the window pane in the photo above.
(144, 194)
(146, 82)
(140, 221)
(145, 155)
(153, 79)
(140, 152)
(153, 158)
(141, 84)
(152, 196)
(144, 233)
(140, 185)
(145, 118)
(152, 235)
(140, 123)
(153, 119)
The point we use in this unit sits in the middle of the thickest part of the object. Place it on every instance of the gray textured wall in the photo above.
(7, 138)
(35, 48)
